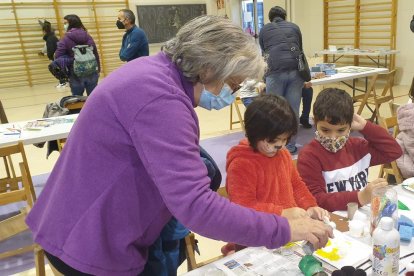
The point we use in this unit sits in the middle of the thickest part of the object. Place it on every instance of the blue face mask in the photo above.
(210, 101)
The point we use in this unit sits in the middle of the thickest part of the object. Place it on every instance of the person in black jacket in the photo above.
(50, 38)
(281, 42)
(51, 44)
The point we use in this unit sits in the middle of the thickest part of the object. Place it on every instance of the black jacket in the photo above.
(51, 44)
(274, 41)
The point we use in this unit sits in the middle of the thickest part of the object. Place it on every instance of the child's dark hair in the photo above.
(334, 106)
(267, 117)
(411, 92)
(47, 27)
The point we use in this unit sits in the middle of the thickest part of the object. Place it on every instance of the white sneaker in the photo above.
(61, 86)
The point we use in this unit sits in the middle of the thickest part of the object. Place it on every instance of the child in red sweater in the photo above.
(334, 165)
(260, 171)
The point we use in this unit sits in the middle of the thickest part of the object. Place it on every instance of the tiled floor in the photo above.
(25, 103)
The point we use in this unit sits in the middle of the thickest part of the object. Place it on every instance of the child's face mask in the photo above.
(332, 144)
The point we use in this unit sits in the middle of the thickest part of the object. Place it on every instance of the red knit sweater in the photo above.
(267, 184)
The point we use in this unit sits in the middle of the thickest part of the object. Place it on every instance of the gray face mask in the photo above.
(65, 27)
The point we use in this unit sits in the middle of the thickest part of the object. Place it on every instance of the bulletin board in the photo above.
(161, 22)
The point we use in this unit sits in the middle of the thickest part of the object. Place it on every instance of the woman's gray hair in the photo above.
(214, 44)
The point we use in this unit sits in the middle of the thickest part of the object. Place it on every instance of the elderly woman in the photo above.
(132, 160)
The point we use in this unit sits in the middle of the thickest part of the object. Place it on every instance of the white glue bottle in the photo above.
(386, 248)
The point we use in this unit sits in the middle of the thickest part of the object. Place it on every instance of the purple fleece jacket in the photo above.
(131, 161)
(72, 38)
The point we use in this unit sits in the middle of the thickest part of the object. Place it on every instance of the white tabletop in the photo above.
(349, 73)
(52, 132)
(359, 52)
(405, 196)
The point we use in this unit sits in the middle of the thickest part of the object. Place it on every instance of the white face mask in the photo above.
(65, 27)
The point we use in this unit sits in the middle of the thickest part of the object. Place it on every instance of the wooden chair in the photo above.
(75, 108)
(372, 98)
(191, 245)
(391, 168)
(3, 117)
(235, 105)
(18, 189)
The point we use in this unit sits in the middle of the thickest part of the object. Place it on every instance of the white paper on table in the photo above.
(350, 252)
(260, 261)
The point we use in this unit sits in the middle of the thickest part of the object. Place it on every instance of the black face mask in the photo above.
(120, 25)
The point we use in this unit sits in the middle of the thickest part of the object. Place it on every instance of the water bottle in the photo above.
(386, 248)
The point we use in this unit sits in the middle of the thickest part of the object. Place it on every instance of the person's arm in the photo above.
(169, 151)
(310, 170)
(61, 49)
(241, 185)
(261, 42)
(135, 43)
(379, 143)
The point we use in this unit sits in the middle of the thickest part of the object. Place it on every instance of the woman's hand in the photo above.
(294, 213)
(317, 213)
(314, 231)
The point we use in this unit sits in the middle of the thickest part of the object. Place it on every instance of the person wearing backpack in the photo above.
(79, 45)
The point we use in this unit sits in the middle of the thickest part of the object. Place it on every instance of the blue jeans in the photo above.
(247, 101)
(288, 85)
(78, 85)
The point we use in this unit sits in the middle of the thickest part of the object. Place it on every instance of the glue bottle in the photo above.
(386, 248)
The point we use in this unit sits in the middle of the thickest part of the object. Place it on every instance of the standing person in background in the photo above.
(281, 42)
(412, 24)
(307, 96)
(134, 42)
(76, 34)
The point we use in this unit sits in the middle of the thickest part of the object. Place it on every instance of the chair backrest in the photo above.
(391, 125)
(191, 244)
(235, 105)
(3, 117)
(389, 84)
(74, 108)
(9, 179)
(17, 188)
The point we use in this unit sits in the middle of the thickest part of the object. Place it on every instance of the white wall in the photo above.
(405, 42)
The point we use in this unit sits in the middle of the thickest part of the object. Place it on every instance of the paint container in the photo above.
(386, 248)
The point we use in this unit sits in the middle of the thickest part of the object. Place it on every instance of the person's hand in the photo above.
(364, 196)
(317, 213)
(261, 87)
(294, 213)
(358, 123)
(319, 75)
(313, 231)
(307, 84)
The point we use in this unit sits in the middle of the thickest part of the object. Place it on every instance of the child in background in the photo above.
(249, 90)
(334, 165)
(260, 171)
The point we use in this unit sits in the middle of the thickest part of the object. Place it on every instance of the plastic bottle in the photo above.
(386, 248)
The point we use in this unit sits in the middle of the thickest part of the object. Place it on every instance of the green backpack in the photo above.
(84, 63)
